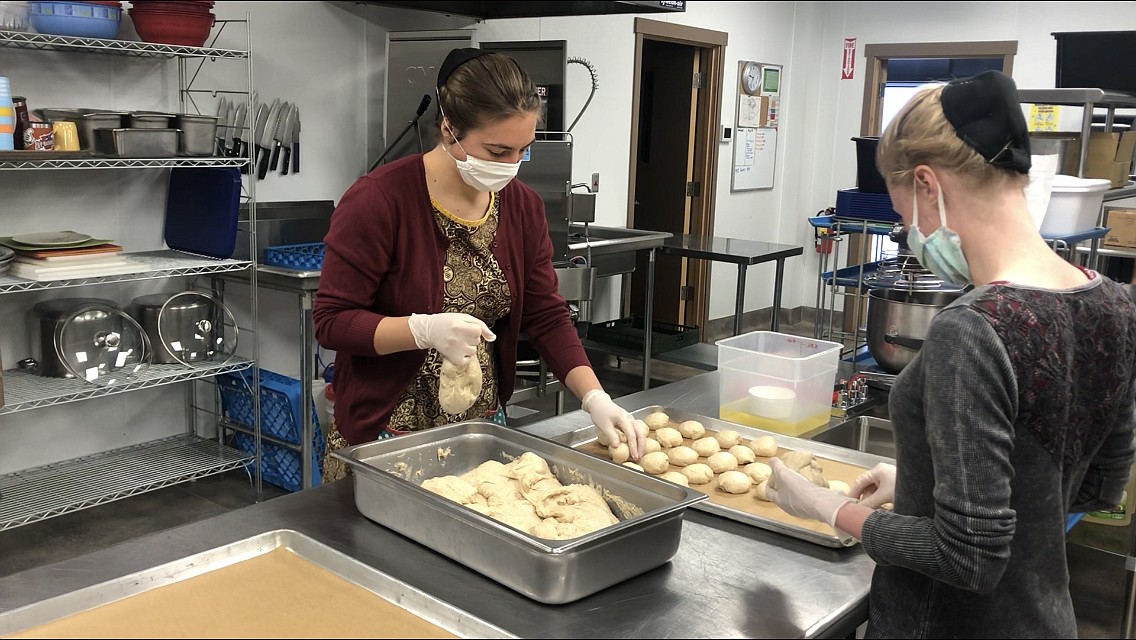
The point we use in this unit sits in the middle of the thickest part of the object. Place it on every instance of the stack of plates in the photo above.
(62, 255)
(6, 257)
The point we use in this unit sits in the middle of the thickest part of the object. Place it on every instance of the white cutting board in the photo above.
(42, 274)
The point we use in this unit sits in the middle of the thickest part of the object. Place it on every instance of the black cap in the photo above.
(455, 59)
(987, 115)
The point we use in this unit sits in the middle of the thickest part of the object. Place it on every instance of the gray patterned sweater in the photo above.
(1017, 411)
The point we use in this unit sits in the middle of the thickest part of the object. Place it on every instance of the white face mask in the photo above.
(483, 175)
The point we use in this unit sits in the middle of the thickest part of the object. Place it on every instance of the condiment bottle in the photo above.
(7, 117)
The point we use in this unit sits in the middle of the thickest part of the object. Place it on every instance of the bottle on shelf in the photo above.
(7, 116)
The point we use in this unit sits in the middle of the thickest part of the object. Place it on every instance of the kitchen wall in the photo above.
(328, 58)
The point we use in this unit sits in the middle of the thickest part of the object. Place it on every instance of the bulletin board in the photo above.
(755, 129)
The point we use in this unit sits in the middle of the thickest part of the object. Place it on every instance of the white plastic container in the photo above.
(1074, 205)
(776, 381)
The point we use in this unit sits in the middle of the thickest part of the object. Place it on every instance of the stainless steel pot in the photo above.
(186, 328)
(50, 317)
(898, 321)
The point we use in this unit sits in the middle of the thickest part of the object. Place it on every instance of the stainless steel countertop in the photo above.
(727, 579)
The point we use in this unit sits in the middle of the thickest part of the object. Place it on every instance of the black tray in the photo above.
(629, 333)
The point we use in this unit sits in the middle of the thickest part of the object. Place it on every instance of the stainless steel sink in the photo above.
(863, 433)
(611, 249)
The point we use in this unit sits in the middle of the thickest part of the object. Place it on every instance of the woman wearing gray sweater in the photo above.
(1018, 409)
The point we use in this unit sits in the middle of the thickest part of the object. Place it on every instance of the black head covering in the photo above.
(987, 115)
(455, 59)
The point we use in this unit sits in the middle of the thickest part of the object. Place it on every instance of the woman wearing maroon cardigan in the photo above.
(442, 257)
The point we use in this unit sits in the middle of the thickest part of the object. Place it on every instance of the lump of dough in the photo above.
(706, 447)
(797, 459)
(698, 473)
(657, 420)
(692, 429)
(619, 453)
(743, 453)
(765, 446)
(452, 488)
(722, 461)
(682, 455)
(632, 465)
(734, 482)
(839, 486)
(728, 438)
(676, 477)
(758, 472)
(759, 491)
(805, 464)
(656, 462)
(459, 385)
(668, 437)
(653, 445)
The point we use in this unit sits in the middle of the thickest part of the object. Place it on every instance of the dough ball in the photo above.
(797, 459)
(744, 454)
(734, 482)
(706, 447)
(698, 473)
(459, 385)
(803, 463)
(676, 477)
(657, 420)
(759, 491)
(653, 445)
(692, 429)
(642, 428)
(619, 453)
(722, 461)
(765, 446)
(728, 438)
(839, 486)
(632, 465)
(668, 437)
(656, 463)
(682, 455)
(758, 472)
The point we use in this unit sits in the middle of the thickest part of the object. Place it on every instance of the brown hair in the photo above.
(488, 88)
(921, 134)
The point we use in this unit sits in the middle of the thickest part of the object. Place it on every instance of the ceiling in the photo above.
(485, 10)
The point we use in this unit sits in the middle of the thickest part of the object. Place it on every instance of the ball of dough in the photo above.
(839, 486)
(668, 437)
(764, 446)
(706, 447)
(759, 491)
(682, 455)
(619, 453)
(692, 429)
(728, 438)
(676, 477)
(656, 463)
(653, 445)
(734, 482)
(657, 420)
(459, 385)
(758, 472)
(744, 454)
(722, 461)
(632, 465)
(698, 473)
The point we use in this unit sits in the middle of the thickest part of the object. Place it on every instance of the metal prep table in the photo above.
(727, 579)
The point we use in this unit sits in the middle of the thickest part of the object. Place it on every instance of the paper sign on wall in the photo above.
(758, 116)
(848, 65)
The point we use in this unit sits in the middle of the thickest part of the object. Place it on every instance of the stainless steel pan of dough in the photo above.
(836, 464)
(643, 534)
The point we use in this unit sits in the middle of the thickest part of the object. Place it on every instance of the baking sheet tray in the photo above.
(416, 609)
(838, 463)
(387, 474)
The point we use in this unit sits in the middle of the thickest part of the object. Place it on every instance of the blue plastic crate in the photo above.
(279, 418)
(853, 203)
(305, 257)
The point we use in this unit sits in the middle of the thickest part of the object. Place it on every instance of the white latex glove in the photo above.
(799, 497)
(610, 419)
(876, 486)
(454, 335)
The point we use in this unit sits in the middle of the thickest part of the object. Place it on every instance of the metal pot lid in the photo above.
(197, 329)
(100, 344)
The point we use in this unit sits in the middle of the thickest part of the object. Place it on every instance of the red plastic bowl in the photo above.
(169, 6)
(188, 30)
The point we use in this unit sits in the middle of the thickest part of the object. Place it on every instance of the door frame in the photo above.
(704, 148)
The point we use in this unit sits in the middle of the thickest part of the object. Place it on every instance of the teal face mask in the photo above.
(941, 252)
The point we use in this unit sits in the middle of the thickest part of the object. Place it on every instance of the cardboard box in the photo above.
(1110, 156)
(1121, 225)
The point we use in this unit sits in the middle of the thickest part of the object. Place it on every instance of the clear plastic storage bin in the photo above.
(776, 381)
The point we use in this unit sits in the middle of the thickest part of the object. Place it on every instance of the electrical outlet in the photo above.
(595, 182)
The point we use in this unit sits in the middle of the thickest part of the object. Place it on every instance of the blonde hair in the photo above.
(921, 134)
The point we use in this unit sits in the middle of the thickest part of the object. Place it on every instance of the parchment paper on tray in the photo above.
(838, 464)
